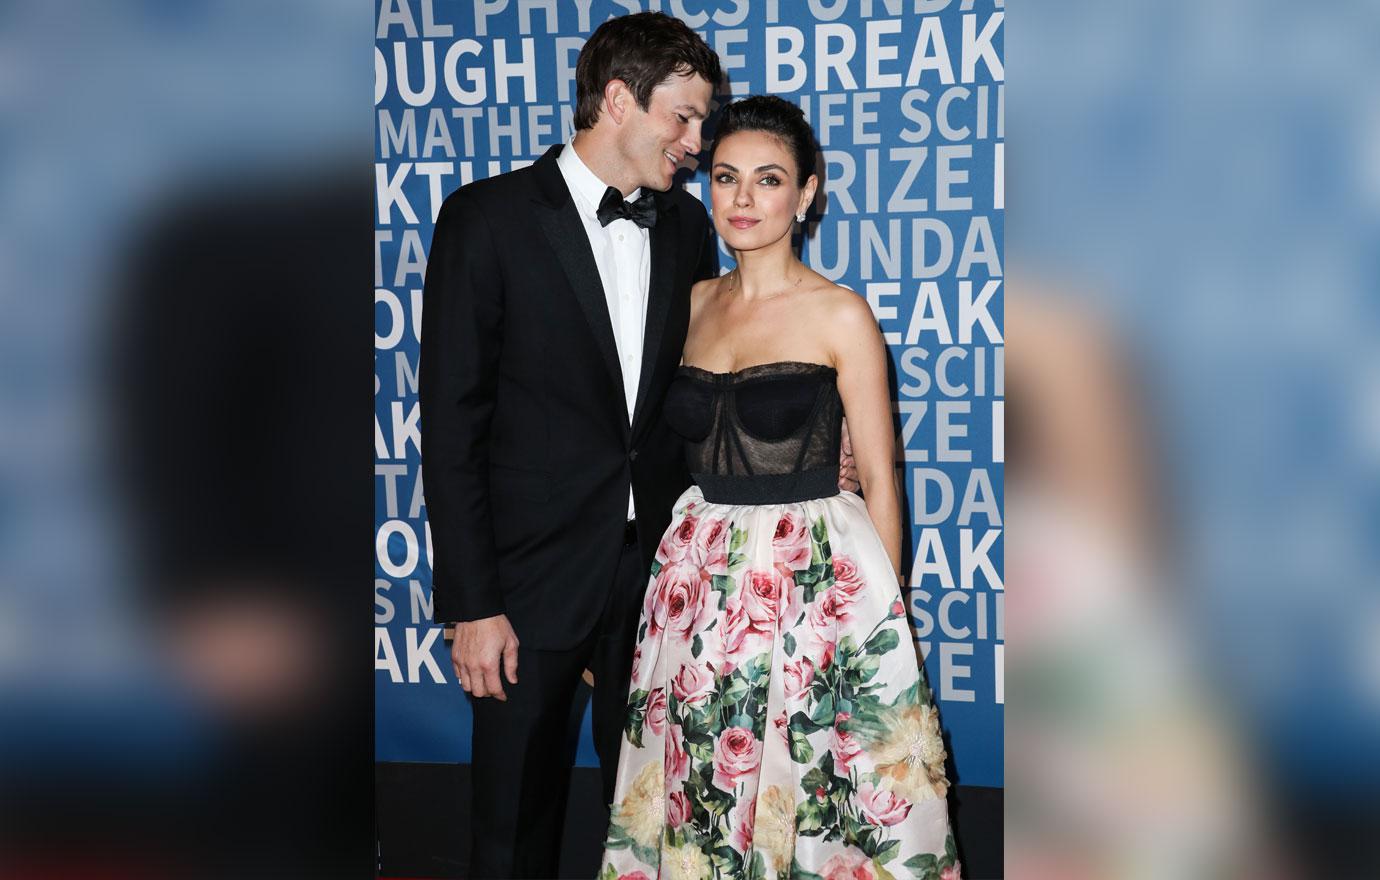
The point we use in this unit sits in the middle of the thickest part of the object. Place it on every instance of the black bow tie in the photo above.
(612, 207)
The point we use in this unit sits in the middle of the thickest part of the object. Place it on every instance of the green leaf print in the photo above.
(809, 818)
(816, 781)
(610, 873)
(799, 873)
(925, 865)
(883, 642)
(820, 532)
(737, 688)
(801, 750)
(788, 642)
(866, 665)
(656, 568)
(950, 851)
(826, 766)
(700, 751)
(637, 711)
(649, 855)
(888, 851)
(823, 714)
(848, 646)
(696, 647)
(736, 538)
(802, 723)
(728, 861)
(724, 584)
(758, 869)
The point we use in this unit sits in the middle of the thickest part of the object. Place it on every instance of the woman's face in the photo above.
(753, 190)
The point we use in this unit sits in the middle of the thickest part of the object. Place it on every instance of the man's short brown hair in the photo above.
(643, 50)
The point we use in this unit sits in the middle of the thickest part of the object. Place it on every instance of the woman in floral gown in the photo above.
(779, 724)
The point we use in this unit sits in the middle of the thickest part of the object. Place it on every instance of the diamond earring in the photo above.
(800, 218)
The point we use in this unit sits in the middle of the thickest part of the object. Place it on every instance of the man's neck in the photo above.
(602, 159)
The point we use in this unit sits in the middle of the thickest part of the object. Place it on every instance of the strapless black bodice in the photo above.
(767, 434)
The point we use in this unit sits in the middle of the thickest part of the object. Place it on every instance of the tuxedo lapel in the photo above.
(564, 230)
(665, 236)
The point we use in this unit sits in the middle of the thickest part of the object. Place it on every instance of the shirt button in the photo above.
(620, 236)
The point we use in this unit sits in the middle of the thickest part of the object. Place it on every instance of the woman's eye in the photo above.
(724, 178)
(770, 180)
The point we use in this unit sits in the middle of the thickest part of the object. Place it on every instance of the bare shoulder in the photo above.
(701, 290)
(702, 293)
(840, 307)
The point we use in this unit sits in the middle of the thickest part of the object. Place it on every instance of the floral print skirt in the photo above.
(779, 724)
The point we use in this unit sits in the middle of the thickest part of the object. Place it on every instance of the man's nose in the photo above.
(692, 142)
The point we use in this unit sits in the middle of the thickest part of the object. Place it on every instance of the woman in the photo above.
(779, 724)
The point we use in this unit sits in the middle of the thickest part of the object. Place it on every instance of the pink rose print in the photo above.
(676, 543)
(678, 602)
(791, 541)
(709, 550)
(736, 754)
(694, 684)
(735, 631)
(897, 609)
(951, 873)
(836, 604)
(843, 745)
(741, 820)
(881, 807)
(635, 875)
(798, 677)
(783, 727)
(847, 578)
(763, 593)
(637, 663)
(849, 865)
(677, 809)
(819, 642)
(677, 759)
(656, 711)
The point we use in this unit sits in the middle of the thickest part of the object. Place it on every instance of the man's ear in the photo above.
(618, 100)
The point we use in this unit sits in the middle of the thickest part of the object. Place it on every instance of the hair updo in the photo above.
(777, 117)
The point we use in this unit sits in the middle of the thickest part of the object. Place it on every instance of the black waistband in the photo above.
(769, 488)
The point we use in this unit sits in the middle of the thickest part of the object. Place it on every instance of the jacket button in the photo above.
(632, 456)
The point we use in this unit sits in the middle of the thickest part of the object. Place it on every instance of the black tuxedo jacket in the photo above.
(527, 449)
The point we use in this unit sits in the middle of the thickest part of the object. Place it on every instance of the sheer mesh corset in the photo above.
(767, 434)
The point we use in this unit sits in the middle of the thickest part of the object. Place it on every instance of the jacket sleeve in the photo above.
(462, 324)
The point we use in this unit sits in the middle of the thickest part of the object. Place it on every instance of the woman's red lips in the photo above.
(742, 222)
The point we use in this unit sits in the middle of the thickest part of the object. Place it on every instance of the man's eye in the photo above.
(684, 120)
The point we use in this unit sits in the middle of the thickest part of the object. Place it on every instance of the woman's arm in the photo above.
(860, 358)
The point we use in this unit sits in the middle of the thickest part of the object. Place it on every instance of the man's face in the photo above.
(655, 141)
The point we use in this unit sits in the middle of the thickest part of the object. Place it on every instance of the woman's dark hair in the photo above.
(643, 50)
(777, 117)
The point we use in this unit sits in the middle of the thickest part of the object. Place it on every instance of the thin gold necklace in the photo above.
(733, 283)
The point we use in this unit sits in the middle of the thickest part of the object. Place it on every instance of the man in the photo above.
(555, 310)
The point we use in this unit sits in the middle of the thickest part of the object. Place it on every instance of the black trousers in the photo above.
(521, 764)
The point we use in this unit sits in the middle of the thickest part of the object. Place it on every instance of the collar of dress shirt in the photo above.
(584, 183)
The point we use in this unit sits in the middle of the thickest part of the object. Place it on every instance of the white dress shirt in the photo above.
(622, 251)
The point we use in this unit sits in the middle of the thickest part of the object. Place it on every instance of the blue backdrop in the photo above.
(906, 100)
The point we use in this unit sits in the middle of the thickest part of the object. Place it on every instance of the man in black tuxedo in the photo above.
(556, 304)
